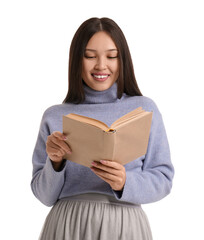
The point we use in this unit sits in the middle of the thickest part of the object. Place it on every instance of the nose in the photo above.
(101, 64)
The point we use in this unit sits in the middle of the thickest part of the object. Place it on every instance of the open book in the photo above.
(92, 140)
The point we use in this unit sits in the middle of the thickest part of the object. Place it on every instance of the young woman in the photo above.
(104, 201)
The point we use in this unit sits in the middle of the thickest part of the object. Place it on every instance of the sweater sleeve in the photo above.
(153, 181)
(46, 183)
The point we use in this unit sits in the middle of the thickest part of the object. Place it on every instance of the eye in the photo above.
(113, 57)
(89, 56)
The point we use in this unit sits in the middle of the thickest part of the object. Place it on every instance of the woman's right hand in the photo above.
(56, 148)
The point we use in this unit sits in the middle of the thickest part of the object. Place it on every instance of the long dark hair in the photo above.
(126, 81)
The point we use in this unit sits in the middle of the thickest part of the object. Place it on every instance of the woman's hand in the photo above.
(56, 148)
(111, 172)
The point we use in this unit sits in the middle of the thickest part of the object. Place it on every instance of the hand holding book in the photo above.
(56, 148)
(111, 172)
(92, 140)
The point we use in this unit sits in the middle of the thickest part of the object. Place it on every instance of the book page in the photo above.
(88, 120)
(114, 125)
(127, 116)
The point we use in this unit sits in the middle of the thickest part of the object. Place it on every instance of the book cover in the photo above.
(92, 140)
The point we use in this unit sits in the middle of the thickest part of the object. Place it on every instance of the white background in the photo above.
(166, 42)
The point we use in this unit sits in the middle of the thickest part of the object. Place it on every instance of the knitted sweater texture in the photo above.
(148, 178)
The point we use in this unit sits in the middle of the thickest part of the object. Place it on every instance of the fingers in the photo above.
(112, 164)
(105, 168)
(109, 181)
(56, 146)
(116, 182)
(108, 165)
(54, 149)
(58, 141)
(105, 174)
(111, 172)
(59, 135)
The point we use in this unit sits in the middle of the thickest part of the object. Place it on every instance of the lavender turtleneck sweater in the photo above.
(148, 178)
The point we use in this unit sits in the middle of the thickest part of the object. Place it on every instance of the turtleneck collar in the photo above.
(107, 96)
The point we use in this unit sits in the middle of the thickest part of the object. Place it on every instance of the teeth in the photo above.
(100, 76)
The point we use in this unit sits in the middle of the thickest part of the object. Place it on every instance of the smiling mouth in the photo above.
(100, 76)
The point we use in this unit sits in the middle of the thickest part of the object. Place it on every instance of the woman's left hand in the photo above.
(111, 172)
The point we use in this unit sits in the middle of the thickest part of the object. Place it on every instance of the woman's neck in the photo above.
(107, 96)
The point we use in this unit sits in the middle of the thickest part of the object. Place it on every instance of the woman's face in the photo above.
(100, 68)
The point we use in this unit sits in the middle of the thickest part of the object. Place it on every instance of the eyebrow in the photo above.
(92, 50)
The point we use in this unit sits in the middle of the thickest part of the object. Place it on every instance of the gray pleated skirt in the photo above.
(95, 217)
